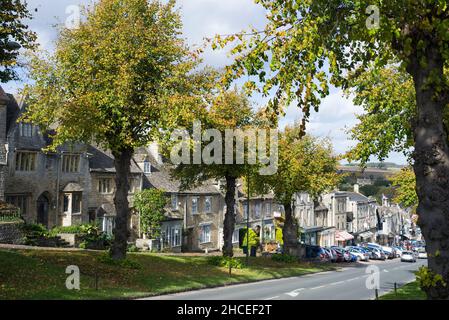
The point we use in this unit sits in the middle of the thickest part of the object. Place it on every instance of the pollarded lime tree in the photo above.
(117, 80)
(306, 164)
(13, 32)
(230, 110)
(306, 45)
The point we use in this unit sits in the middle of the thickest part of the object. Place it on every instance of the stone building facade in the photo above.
(70, 186)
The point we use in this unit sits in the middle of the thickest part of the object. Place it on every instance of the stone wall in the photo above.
(10, 233)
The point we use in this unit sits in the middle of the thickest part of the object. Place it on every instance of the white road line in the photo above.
(319, 287)
(272, 298)
(294, 293)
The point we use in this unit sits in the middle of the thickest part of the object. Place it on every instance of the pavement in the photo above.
(353, 282)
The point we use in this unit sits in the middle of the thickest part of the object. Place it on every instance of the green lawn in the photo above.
(40, 274)
(410, 291)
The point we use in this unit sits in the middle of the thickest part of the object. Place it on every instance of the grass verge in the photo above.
(40, 274)
(410, 291)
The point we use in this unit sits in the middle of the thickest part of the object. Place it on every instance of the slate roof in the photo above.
(103, 161)
(161, 180)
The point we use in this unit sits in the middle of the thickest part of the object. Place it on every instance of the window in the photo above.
(20, 201)
(72, 202)
(66, 202)
(70, 163)
(205, 234)
(194, 205)
(104, 185)
(174, 201)
(257, 210)
(245, 211)
(268, 210)
(76, 202)
(174, 237)
(208, 204)
(146, 166)
(132, 182)
(236, 236)
(26, 129)
(25, 161)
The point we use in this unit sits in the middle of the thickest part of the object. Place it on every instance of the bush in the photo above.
(226, 262)
(33, 232)
(285, 258)
(132, 248)
(76, 229)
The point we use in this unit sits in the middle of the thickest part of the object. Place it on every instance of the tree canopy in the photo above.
(13, 30)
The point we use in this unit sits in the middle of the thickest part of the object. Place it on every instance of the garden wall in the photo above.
(10, 233)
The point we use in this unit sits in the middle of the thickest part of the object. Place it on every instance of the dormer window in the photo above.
(146, 166)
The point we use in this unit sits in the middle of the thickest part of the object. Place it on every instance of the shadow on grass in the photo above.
(40, 274)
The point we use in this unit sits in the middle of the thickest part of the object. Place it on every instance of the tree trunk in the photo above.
(229, 220)
(431, 166)
(121, 233)
(290, 231)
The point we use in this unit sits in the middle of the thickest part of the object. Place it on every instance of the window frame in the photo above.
(206, 209)
(196, 200)
(71, 163)
(25, 161)
(202, 234)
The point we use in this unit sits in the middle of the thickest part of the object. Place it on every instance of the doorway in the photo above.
(43, 205)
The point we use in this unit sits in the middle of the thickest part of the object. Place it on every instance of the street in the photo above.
(348, 283)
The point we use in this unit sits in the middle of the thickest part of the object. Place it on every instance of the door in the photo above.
(43, 206)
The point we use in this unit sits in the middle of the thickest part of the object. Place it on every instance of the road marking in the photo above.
(319, 287)
(385, 270)
(272, 298)
(294, 293)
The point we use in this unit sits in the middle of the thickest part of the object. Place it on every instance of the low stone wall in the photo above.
(10, 233)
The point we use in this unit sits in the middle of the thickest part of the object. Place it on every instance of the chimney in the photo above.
(154, 151)
(356, 188)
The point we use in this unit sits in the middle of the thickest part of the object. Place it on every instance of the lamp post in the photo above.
(247, 222)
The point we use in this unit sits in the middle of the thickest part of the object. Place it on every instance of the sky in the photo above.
(205, 18)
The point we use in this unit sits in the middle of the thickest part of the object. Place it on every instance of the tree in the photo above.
(118, 80)
(305, 164)
(308, 45)
(150, 204)
(13, 33)
(230, 110)
(404, 184)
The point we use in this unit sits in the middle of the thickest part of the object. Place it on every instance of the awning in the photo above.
(343, 236)
(365, 235)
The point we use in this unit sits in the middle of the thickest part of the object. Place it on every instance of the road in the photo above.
(347, 283)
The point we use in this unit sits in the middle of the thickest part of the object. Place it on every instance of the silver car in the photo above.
(408, 256)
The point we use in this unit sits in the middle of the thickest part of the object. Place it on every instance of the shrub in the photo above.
(227, 262)
(132, 248)
(285, 258)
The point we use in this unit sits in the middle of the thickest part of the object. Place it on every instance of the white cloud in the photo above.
(205, 18)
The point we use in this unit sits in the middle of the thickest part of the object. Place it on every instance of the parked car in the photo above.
(361, 256)
(377, 254)
(422, 254)
(332, 254)
(389, 252)
(399, 251)
(408, 256)
(344, 255)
